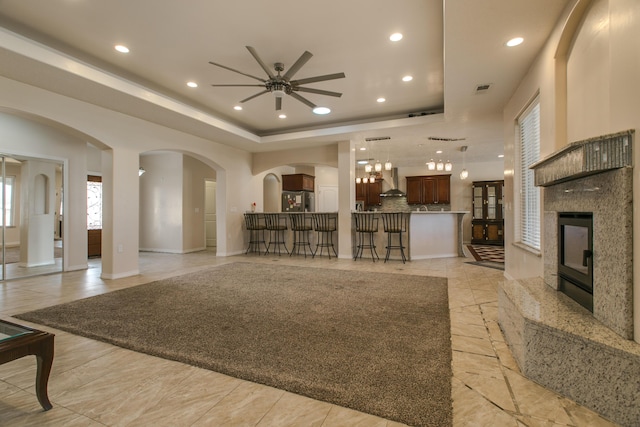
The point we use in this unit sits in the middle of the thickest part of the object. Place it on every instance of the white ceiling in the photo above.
(448, 50)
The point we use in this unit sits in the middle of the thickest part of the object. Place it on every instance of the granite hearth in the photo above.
(588, 357)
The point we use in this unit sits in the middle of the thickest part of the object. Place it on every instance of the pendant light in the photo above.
(387, 165)
(367, 168)
(448, 166)
(464, 174)
(431, 165)
(378, 166)
(358, 180)
(439, 165)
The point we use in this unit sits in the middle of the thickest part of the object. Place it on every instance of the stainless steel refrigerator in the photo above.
(298, 201)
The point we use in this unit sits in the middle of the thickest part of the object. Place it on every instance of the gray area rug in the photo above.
(376, 342)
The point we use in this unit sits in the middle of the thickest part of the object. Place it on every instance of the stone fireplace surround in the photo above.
(588, 357)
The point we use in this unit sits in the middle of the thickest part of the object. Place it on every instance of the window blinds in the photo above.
(529, 124)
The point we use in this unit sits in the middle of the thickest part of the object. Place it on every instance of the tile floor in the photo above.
(96, 384)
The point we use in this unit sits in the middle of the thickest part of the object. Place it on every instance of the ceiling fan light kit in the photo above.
(281, 85)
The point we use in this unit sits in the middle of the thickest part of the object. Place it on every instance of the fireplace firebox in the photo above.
(575, 257)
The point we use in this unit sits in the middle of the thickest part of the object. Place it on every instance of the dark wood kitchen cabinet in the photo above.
(369, 194)
(487, 224)
(429, 190)
(298, 182)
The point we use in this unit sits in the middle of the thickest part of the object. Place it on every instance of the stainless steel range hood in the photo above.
(393, 192)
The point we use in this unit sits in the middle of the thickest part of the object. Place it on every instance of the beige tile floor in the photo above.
(96, 384)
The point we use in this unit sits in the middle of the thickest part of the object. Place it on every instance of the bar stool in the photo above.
(256, 232)
(395, 223)
(366, 226)
(300, 225)
(276, 226)
(325, 225)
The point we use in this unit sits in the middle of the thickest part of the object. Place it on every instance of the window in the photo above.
(529, 130)
(94, 203)
(9, 201)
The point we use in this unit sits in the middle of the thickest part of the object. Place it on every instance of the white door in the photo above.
(327, 198)
(210, 212)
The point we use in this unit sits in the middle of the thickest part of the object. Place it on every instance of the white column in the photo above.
(346, 196)
(120, 213)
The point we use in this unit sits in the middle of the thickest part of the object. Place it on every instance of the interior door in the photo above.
(210, 222)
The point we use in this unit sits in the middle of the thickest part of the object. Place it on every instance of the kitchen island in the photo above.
(436, 234)
(430, 234)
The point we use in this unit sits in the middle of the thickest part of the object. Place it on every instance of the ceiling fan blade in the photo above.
(232, 85)
(318, 91)
(297, 65)
(303, 100)
(318, 79)
(236, 71)
(278, 103)
(253, 53)
(254, 96)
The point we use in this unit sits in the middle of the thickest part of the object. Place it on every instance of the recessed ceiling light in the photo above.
(192, 84)
(121, 48)
(362, 162)
(395, 37)
(407, 78)
(237, 108)
(439, 152)
(515, 41)
(380, 100)
(500, 155)
(321, 110)
(363, 149)
(282, 116)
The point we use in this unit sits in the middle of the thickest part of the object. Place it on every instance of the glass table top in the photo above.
(9, 331)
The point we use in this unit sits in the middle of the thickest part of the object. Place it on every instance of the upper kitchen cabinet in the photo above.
(298, 182)
(429, 190)
(369, 193)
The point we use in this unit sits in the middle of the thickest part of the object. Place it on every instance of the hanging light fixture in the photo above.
(358, 180)
(367, 168)
(448, 166)
(378, 166)
(431, 165)
(365, 180)
(372, 179)
(464, 174)
(439, 165)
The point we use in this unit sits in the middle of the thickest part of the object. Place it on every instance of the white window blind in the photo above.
(529, 126)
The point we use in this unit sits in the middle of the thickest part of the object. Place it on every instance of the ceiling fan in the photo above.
(281, 85)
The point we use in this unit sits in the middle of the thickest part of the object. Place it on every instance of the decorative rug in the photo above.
(487, 255)
(378, 343)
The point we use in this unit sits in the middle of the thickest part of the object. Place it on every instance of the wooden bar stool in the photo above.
(366, 225)
(395, 223)
(300, 226)
(276, 226)
(324, 225)
(256, 227)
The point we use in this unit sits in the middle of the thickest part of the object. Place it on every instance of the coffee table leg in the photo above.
(45, 360)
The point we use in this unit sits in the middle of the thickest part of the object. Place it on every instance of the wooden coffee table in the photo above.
(17, 341)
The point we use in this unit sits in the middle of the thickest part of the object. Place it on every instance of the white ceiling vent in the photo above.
(483, 88)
